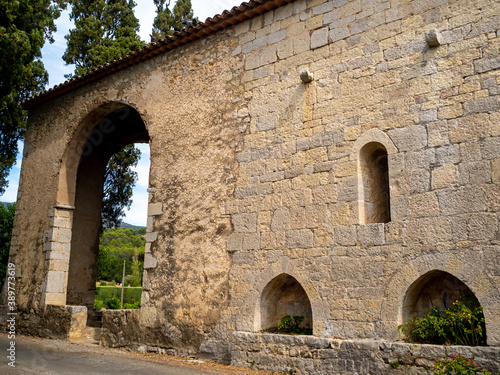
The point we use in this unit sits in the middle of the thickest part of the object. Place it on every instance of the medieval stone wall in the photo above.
(300, 204)
(361, 196)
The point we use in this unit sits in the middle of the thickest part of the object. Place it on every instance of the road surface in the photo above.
(42, 356)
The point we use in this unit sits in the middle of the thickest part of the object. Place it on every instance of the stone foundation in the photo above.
(56, 322)
(314, 355)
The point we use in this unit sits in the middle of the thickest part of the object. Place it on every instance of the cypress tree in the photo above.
(167, 21)
(105, 30)
(25, 25)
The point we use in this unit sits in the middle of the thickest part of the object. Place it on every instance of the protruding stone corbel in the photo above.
(433, 38)
(306, 76)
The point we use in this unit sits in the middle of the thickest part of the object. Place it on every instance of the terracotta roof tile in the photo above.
(228, 18)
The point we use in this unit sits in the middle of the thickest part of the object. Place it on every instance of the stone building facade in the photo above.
(334, 159)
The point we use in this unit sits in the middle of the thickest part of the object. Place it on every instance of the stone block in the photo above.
(487, 64)
(410, 138)
(251, 241)
(345, 235)
(339, 33)
(371, 234)
(490, 147)
(245, 222)
(280, 220)
(151, 237)
(477, 172)
(461, 201)
(64, 235)
(358, 26)
(243, 257)
(150, 261)
(56, 280)
(488, 104)
(276, 36)
(319, 38)
(155, 209)
(299, 238)
(267, 122)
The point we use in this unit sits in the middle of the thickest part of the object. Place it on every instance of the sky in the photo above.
(145, 11)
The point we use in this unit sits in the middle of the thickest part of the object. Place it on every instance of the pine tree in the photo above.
(106, 30)
(25, 25)
(166, 20)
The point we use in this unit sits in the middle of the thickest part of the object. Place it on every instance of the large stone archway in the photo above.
(76, 218)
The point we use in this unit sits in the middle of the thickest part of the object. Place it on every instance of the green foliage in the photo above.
(290, 324)
(115, 246)
(112, 303)
(25, 25)
(461, 324)
(6, 223)
(119, 181)
(135, 305)
(457, 365)
(98, 304)
(107, 296)
(103, 283)
(394, 364)
(167, 19)
(105, 30)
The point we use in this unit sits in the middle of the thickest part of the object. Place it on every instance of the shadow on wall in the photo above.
(283, 296)
(434, 289)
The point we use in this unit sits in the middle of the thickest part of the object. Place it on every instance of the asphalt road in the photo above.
(40, 356)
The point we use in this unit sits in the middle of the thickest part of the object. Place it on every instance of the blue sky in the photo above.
(51, 56)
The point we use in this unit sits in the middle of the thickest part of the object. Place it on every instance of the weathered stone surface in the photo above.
(260, 182)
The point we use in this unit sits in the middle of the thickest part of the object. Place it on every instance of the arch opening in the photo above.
(438, 289)
(375, 199)
(284, 296)
(119, 128)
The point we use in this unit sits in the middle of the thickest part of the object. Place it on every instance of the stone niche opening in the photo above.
(106, 136)
(375, 180)
(434, 289)
(283, 296)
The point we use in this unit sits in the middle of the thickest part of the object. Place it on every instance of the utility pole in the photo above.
(123, 284)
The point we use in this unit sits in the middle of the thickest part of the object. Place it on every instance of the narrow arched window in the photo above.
(375, 180)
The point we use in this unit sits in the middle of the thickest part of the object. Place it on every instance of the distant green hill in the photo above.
(130, 226)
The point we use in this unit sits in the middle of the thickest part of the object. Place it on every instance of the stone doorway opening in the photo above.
(103, 133)
(283, 296)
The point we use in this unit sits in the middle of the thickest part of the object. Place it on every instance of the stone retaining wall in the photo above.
(313, 355)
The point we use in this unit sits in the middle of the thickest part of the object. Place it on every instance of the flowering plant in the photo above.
(461, 324)
(457, 365)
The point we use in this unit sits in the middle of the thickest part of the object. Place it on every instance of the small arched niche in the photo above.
(374, 170)
(283, 296)
(434, 289)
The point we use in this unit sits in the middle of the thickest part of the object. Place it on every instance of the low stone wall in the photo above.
(314, 355)
(56, 322)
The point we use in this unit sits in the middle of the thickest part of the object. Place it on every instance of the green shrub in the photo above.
(135, 305)
(461, 324)
(131, 295)
(98, 304)
(290, 324)
(103, 283)
(457, 365)
(112, 303)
